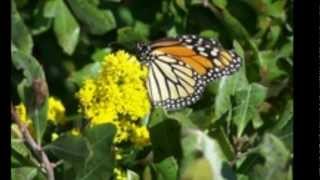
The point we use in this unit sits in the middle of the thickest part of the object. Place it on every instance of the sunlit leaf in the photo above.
(97, 21)
(167, 169)
(66, 28)
(20, 35)
(247, 101)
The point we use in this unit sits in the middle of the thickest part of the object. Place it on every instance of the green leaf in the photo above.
(97, 21)
(100, 54)
(202, 157)
(99, 165)
(220, 3)
(66, 28)
(21, 156)
(182, 5)
(182, 116)
(33, 91)
(167, 169)
(24, 173)
(51, 8)
(199, 169)
(273, 36)
(131, 175)
(247, 101)
(269, 68)
(165, 140)
(129, 36)
(235, 28)
(276, 159)
(87, 72)
(221, 137)
(209, 34)
(147, 173)
(285, 117)
(126, 16)
(20, 35)
(157, 116)
(39, 22)
(257, 121)
(72, 149)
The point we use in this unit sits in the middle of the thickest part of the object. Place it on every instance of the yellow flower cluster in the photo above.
(55, 114)
(118, 95)
(56, 111)
(119, 174)
(22, 113)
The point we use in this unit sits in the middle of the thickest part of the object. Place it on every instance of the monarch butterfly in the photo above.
(181, 67)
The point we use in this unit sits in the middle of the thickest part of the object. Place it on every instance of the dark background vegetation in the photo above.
(248, 114)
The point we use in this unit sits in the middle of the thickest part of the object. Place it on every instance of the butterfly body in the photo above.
(180, 68)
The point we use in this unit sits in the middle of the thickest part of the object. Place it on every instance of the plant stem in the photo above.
(37, 150)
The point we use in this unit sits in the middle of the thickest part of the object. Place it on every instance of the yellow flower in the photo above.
(119, 174)
(75, 132)
(22, 113)
(116, 95)
(140, 136)
(54, 136)
(56, 111)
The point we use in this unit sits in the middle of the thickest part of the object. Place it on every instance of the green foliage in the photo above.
(240, 129)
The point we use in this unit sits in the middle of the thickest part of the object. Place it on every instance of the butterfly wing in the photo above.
(206, 56)
(180, 68)
(172, 83)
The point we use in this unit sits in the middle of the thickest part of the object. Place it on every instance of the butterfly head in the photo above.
(143, 50)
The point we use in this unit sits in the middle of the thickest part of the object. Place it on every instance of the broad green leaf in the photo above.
(126, 16)
(51, 8)
(236, 29)
(39, 22)
(182, 116)
(220, 3)
(199, 169)
(33, 91)
(165, 137)
(269, 68)
(285, 117)
(147, 173)
(87, 72)
(239, 50)
(257, 121)
(271, 8)
(20, 35)
(276, 159)
(100, 54)
(242, 177)
(131, 175)
(222, 92)
(221, 137)
(157, 116)
(21, 156)
(66, 28)
(72, 149)
(204, 154)
(96, 20)
(99, 165)
(209, 34)
(128, 36)
(247, 101)
(273, 36)
(167, 169)
(24, 173)
(182, 5)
